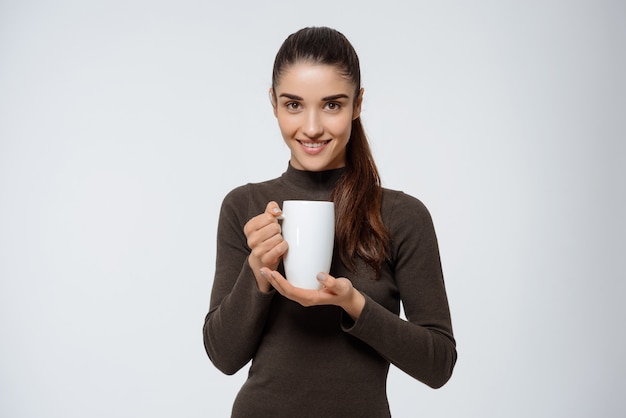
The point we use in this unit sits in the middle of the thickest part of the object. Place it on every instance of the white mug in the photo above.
(309, 229)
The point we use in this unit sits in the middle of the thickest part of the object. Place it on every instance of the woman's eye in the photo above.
(292, 106)
(333, 106)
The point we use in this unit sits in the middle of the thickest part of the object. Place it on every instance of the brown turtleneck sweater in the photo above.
(316, 361)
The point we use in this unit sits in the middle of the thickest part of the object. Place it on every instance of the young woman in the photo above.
(326, 353)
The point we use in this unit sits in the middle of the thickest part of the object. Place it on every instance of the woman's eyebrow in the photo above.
(291, 96)
(335, 97)
(324, 99)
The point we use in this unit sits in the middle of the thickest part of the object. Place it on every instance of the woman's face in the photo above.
(315, 106)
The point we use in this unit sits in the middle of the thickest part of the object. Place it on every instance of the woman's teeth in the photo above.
(314, 144)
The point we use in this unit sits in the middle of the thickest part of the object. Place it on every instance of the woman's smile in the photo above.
(313, 147)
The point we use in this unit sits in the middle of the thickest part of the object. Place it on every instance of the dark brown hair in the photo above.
(360, 231)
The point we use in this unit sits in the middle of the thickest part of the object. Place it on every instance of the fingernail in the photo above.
(321, 277)
(263, 273)
(276, 210)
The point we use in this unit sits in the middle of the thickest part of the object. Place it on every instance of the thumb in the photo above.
(326, 279)
(273, 209)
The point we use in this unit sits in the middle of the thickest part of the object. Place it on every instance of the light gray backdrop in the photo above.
(124, 123)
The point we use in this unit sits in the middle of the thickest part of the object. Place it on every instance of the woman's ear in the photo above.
(273, 100)
(357, 105)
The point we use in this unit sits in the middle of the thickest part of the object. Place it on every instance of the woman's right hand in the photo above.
(265, 239)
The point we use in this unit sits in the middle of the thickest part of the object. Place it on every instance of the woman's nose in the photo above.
(313, 127)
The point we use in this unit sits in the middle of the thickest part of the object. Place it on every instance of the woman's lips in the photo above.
(313, 147)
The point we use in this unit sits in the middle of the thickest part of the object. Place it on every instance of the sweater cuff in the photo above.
(353, 327)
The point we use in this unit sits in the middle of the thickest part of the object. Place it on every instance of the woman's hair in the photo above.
(358, 194)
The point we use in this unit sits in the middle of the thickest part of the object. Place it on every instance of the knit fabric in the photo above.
(317, 361)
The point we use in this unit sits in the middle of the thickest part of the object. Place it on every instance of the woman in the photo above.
(326, 353)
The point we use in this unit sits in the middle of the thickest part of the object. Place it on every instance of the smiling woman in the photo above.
(327, 351)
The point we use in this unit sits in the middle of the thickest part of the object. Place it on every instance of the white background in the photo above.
(124, 123)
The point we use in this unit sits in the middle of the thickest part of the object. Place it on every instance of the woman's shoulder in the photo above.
(398, 200)
(401, 209)
(251, 198)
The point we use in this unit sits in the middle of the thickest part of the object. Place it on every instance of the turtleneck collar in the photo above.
(312, 181)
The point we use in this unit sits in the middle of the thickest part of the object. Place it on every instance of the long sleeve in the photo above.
(234, 324)
(423, 346)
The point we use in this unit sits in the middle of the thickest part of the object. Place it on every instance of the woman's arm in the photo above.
(239, 302)
(423, 346)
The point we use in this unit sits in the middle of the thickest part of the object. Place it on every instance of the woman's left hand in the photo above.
(333, 291)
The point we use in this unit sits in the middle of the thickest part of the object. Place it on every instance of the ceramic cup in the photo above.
(309, 229)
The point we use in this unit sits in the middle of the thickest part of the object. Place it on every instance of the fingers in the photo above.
(305, 297)
(270, 216)
(273, 209)
(270, 250)
(331, 284)
(271, 276)
(264, 237)
(277, 281)
(324, 279)
(259, 232)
